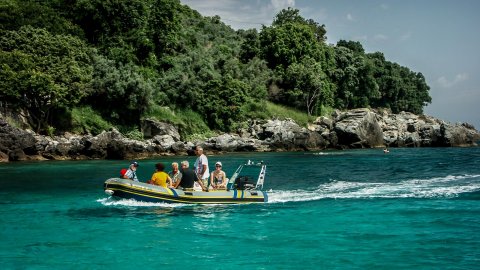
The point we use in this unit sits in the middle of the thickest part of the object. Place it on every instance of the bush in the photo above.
(255, 109)
(282, 112)
(133, 134)
(87, 121)
(325, 111)
(164, 114)
(190, 124)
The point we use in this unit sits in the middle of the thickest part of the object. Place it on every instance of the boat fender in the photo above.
(109, 192)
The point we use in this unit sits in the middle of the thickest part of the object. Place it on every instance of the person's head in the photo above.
(175, 166)
(218, 166)
(199, 150)
(160, 167)
(133, 165)
(185, 164)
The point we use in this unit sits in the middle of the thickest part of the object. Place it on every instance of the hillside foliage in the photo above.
(122, 60)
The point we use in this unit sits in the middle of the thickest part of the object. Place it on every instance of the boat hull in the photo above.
(127, 189)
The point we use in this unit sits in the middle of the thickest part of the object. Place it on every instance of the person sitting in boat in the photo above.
(188, 177)
(175, 173)
(160, 178)
(131, 172)
(218, 178)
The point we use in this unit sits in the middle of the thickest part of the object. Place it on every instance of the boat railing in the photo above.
(261, 177)
(244, 179)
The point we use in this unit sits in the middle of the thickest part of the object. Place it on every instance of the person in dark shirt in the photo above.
(188, 177)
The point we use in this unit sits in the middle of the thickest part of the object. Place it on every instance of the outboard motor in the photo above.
(243, 182)
(240, 182)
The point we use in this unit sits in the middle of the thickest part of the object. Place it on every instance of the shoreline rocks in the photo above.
(359, 128)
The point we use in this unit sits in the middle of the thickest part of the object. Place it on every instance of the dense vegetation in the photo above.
(85, 65)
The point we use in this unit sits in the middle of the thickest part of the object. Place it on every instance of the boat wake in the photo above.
(438, 187)
(110, 201)
(326, 153)
(133, 203)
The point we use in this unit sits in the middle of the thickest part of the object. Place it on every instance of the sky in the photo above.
(438, 38)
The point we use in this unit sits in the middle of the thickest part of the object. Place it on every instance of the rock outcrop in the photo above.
(16, 144)
(359, 128)
(151, 128)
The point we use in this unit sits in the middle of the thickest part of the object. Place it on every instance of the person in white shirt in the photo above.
(201, 166)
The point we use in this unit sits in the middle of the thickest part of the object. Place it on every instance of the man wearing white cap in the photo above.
(132, 172)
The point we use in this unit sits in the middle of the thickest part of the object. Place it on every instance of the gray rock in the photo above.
(359, 129)
(226, 142)
(3, 157)
(152, 128)
(458, 135)
(17, 155)
(181, 147)
(283, 134)
(235, 143)
(165, 141)
(324, 121)
(16, 143)
(407, 129)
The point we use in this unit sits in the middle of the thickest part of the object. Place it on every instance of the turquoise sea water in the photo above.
(356, 209)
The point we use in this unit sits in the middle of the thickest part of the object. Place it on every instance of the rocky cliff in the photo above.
(360, 128)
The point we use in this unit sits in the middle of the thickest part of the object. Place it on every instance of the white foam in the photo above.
(110, 201)
(131, 202)
(437, 187)
(327, 153)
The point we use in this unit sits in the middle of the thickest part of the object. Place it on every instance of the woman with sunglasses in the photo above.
(218, 178)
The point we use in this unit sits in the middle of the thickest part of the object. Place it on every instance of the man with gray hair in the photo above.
(188, 177)
(175, 173)
(201, 166)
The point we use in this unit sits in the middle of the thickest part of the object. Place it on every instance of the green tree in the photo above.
(222, 102)
(39, 14)
(250, 45)
(399, 88)
(354, 46)
(103, 21)
(286, 44)
(164, 25)
(345, 77)
(256, 74)
(354, 77)
(41, 72)
(122, 93)
(136, 31)
(368, 89)
(307, 86)
(291, 15)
